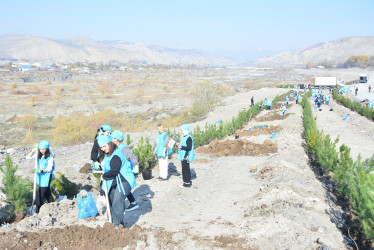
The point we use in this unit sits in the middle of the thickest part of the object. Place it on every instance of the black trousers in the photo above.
(186, 171)
(43, 192)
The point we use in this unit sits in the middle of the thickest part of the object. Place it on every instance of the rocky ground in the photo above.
(253, 192)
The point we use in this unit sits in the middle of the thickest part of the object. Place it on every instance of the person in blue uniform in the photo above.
(118, 139)
(103, 130)
(45, 173)
(186, 154)
(118, 175)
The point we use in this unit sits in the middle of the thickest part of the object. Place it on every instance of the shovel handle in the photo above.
(97, 172)
(107, 200)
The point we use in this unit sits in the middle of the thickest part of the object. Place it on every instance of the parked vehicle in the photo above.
(323, 82)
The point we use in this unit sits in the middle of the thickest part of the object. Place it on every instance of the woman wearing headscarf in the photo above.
(118, 175)
(103, 130)
(45, 173)
(186, 154)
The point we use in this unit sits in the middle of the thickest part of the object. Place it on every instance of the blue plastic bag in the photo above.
(87, 207)
(273, 135)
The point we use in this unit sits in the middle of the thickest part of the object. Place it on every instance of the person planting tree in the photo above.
(118, 175)
(103, 130)
(44, 169)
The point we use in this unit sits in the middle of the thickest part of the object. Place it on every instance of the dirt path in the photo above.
(281, 205)
(357, 132)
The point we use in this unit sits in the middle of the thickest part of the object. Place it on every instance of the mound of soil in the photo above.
(81, 237)
(271, 117)
(259, 131)
(73, 237)
(238, 147)
(85, 169)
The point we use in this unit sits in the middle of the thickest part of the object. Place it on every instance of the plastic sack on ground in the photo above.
(346, 117)
(87, 207)
(61, 197)
(100, 202)
(273, 135)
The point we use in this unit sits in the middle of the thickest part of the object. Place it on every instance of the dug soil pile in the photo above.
(259, 131)
(238, 147)
(271, 117)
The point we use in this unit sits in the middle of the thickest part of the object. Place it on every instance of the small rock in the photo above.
(10, 151)
(322, 229)
(19, 236)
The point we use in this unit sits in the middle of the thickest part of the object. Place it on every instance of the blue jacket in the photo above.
(125, 171)
(182, 153)
(43, 178)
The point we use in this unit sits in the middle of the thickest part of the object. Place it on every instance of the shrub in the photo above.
(353, 105)
(354, 179)
(79, 128)
(144, 151)
(16, 189)
(63, 186)
(208, 95)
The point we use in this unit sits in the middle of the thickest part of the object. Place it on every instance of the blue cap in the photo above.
(105, 128)
(116, 134)
(43, 145)
(104, 139)
(185, 127)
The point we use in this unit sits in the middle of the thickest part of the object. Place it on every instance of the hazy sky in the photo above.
(242, 29)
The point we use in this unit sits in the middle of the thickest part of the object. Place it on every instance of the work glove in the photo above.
(96, 165)
(136, 169)
(35, 149)
(38, 171)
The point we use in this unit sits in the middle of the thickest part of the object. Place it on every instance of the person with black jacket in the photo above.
(186, 154)
(118, 176)
(103, 130)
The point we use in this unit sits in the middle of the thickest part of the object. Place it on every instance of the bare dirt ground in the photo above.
(262, 201)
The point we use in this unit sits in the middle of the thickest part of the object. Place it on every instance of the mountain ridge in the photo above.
(334, 52)
(83, 49)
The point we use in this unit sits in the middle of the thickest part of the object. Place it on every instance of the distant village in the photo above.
(18, 66)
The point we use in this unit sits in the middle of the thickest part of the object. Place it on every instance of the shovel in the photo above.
(106, 196)
(34, 188)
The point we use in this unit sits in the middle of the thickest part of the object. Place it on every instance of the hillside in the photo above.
(334, 52)
(83, 49)
(283, 205)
